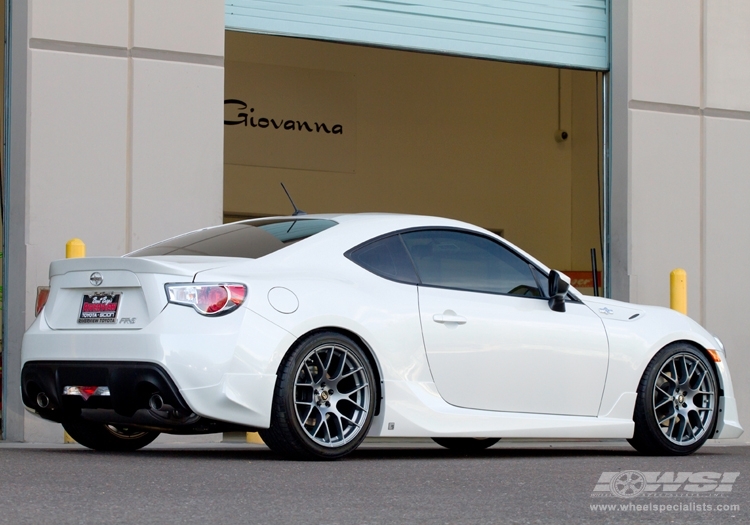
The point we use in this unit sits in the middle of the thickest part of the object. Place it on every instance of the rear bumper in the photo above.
(131, 391)
(220, 369)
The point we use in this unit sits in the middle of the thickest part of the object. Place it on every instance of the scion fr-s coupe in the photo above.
(319, 330)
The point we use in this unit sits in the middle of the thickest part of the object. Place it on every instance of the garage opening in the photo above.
(514, 148)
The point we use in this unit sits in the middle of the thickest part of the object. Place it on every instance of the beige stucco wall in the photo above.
(688, 127)
(438, 135)
(124, 127)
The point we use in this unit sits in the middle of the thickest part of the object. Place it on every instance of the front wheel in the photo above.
(676, 408)
(466, 445)
(113, 438)
(324, 399)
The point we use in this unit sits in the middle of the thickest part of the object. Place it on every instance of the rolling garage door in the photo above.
(569, 33)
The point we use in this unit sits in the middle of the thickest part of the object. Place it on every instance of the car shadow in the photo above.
(390, 452)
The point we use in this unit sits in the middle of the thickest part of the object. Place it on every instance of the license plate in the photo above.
(100, 308)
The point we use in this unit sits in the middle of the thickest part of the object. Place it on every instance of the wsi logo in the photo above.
(127, 320)
(632, 483)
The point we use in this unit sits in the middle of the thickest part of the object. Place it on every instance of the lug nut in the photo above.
(330, 392)
(328, 403)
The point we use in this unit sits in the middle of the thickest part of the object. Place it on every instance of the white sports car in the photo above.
(319, 330)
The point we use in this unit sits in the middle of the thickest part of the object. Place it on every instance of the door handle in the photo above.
(447, 318)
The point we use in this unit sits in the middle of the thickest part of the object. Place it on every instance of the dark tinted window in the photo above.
(387, 258)
(541, 280)
(250, 239)
(465, 261)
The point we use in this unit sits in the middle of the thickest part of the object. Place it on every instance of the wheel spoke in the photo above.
(671, 416)
(363, 409)
(663, 403)
(340, 367)
(351, 421)
(309, 411)
(357, 389)
(681, 429)
(672, 379)
(309, 373)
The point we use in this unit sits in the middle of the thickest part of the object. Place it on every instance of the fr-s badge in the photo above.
(127, 320)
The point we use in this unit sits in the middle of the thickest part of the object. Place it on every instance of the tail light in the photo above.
(207, 298)
(42, 294)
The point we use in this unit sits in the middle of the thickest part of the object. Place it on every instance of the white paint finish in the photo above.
(728, 246)
(665, 51)
(514, 354)
(727, 57)
(187, 26)
(76, 158)
(235, 381)
(177, 148)
(665, 193)
(96, 22)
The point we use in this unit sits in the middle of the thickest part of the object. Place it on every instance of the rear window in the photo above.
(250, 239)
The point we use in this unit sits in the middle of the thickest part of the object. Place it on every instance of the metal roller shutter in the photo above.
(570, 33)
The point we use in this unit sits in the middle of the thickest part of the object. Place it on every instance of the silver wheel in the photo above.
(684, 399)
(331, 395)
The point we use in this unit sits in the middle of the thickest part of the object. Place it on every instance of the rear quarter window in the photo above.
(248, 239)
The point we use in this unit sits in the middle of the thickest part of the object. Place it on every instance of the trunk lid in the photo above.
(116, 293)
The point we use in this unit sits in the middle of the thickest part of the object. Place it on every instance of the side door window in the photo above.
(467, 261)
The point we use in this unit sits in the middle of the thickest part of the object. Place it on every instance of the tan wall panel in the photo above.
(727, 56)
(187, 26)
(438, 135)
(728, 246)
(665, 192)
(666, 51)
(77, 157)
(177, 145)
(81, 21)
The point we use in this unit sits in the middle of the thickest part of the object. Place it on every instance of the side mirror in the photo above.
(558, 288)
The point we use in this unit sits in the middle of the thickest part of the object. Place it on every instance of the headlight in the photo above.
(207, 298)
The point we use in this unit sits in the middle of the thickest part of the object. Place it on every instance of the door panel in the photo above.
(509, 353)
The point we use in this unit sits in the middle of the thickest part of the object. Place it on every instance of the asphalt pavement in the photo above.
(382, 482)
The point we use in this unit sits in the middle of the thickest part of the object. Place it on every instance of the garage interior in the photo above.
(471, 139)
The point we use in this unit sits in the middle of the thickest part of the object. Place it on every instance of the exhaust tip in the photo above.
(156, 402)
(42, 400)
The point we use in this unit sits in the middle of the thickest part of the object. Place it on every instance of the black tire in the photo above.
(466, 445)
(324, 399)
(677, 405)
(112, 438)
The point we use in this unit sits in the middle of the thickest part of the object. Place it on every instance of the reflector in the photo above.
(86, 391)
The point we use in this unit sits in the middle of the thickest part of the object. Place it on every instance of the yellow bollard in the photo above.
(253, 437)
(678, 290)
(74, 249)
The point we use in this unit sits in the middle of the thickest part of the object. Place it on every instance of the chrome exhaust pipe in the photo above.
(156, 402)
(42, 400)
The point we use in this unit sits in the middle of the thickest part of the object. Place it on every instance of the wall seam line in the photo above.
(129, 136)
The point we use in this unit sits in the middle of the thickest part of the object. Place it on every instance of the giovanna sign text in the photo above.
(246, 118)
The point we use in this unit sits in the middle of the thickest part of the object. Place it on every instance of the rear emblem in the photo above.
(96, 279)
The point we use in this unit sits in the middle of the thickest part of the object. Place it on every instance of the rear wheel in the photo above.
(114, 438)
(676, 408)
(324, 399)
(466, 445)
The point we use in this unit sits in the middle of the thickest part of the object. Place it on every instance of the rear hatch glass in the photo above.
(249, 239)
